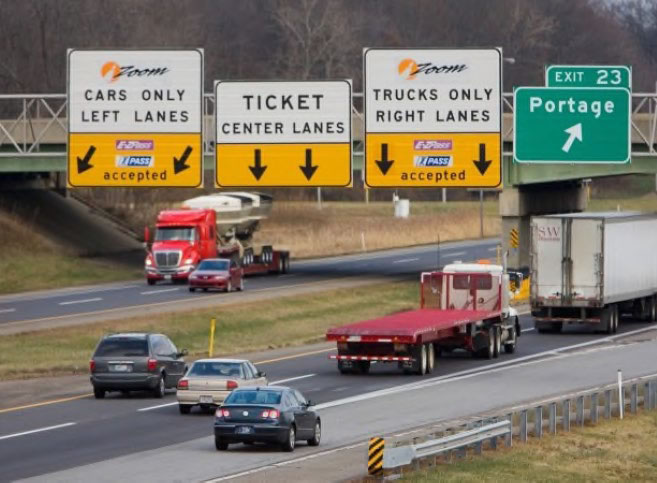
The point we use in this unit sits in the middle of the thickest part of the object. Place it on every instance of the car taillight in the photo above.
(152, 364)
(183, 384)
(231, 385)
(270, 414)
(222, 413)
(92, 365)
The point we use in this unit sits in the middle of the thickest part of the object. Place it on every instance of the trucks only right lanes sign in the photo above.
(433, 117)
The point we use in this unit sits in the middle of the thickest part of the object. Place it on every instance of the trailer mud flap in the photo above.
(480, 341)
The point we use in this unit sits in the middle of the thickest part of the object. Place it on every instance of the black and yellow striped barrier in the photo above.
(375, 456)
(513, 238)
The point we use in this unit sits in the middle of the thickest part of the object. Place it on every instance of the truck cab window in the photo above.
(175, 234)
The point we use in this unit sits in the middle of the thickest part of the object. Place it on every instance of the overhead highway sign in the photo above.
(572, 125)
(286, 134)
(433, 117)
(135, 118)
(588, 76)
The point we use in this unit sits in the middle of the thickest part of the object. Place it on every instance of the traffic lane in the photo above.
(384, 263)
(325, 385)
(354, 421)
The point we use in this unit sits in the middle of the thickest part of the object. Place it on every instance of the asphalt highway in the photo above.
(26, 309)
(64, 436)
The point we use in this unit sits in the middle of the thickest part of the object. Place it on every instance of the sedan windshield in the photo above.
(175, 234)
(216, 369)
(123, 348)
(219, 265)
(254, 397)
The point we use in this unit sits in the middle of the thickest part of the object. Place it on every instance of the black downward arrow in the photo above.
(83, 164)
(309, 169)
(179, 164)
(384, 164)
(257, 169)
(482, 163)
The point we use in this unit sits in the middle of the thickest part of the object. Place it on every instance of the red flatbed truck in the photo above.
(465, 306)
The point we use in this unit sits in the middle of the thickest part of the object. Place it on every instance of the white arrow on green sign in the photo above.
(571, 125)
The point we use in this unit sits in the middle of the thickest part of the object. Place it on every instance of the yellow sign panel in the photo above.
(135, 160)
(289, 165)
(433, 160)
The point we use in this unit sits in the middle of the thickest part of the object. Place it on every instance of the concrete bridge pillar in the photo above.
(518, 205)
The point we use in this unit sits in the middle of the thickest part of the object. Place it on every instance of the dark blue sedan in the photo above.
(268, 414)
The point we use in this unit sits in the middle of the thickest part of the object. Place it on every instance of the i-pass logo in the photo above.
(112, 72)
(410, 69)
(444, 161)
(135, 161)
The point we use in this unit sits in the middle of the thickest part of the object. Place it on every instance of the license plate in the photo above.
(206, 400)
(244, 430)
(120, 367)
(167, 277)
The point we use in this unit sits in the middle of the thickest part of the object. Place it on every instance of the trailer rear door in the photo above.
(585, 250)
(546, 257)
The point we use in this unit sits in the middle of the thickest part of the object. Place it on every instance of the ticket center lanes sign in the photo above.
(433, 117)
(135, 118)
(286, 134)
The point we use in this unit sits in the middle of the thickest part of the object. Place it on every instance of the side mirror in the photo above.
(309, 403)
(183, 353)
(262, 374)
(147, 235)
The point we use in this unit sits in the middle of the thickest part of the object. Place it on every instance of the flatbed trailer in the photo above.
(269, 260)
(464, 307)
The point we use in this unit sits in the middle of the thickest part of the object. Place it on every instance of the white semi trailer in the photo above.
(593, 268)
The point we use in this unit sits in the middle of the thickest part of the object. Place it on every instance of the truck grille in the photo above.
(167, 259)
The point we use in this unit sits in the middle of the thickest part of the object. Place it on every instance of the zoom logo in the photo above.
(135, 161)
(432, 161)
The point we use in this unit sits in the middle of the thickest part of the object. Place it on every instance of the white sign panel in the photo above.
(283, 112)
(123, 91)
(433, 90)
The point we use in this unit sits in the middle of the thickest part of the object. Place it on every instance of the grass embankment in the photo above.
(242, 327)
(30, 261)
(611, 451)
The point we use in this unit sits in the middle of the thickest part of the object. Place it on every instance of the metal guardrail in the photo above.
(405, 455)
(520, 422)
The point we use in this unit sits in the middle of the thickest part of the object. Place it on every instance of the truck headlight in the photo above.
(189, 261)
(148, 262)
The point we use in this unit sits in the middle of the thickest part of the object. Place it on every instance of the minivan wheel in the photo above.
(99, 393)
(317, 435)
(159, 390)
(289, 443)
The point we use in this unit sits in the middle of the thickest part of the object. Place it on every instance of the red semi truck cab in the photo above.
(182, 239)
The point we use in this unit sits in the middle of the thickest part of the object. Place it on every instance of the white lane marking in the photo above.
(158, 406)
(83, 301)
(285, 463)
(340, 389)
(288, 275)
(492, 249)
(455, 254)
(149, 292)
(60, 293)
(406, 260)
(492, 368)
(290, 379)
(15, 435)
(527, 330)
(6, 311)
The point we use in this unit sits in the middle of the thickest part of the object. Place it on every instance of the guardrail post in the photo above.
(538, 422)
(646, 396)
(634, 395)
(594, 408)
(579, 411)
(608, 404)
(508, 439)
(653, 394)
(552, 417)
(566, 415)
(523, 425)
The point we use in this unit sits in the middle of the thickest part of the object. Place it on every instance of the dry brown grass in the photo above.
(339, 228)
(611, 451)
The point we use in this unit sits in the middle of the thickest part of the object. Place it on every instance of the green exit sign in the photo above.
(588, 76)
(571, 125)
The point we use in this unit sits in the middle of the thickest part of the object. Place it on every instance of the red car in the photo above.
(220, 273)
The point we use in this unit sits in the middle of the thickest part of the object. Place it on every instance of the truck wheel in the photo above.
(363, 367)
(607, 320)
(653, 309)
(431, 358)
(510, 344)
(489, 352)
(498, 342)
(616, 318)
(343, 369)
(422, 362)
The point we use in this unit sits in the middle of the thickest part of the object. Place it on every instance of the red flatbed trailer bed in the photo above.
(459, 310)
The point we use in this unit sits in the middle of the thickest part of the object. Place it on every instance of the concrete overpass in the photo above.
(33, 138)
